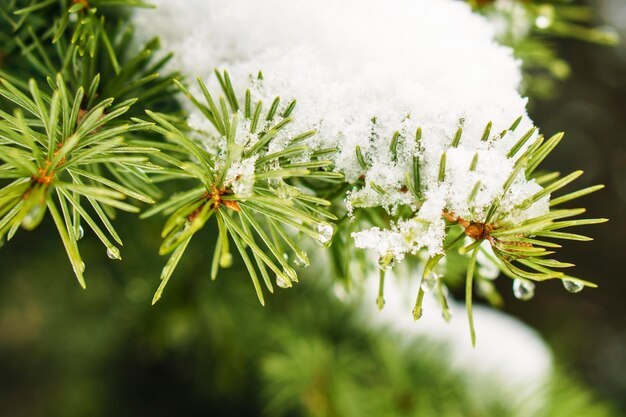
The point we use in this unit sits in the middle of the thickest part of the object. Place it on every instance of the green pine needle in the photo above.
(253, 218)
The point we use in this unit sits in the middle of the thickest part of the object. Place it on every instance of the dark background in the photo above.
(590, 330)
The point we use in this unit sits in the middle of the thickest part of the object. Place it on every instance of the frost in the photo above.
(406, 236)
(361, 71)
(240, 177)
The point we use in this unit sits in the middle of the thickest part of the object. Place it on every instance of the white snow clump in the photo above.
(362, 70)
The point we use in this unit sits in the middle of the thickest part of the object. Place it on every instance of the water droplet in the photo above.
(33, 217)
(81, 233)
(545, 16)
(417, 313)
(286, 256)
(523, 290)
(325, 233)
(114, 253)
(80, 269)
(429, 282)
(226, 260)
(380, 302)
(387, 261)
(301, 260)
(543, 22)
(291, 273)
(280, 281)
(573, 286)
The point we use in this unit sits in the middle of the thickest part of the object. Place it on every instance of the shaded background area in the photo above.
(210, 346)
(589, 331)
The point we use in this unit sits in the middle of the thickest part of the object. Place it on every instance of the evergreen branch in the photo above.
(88, 42)
(244, 188)
(57, 160)
(516, 246)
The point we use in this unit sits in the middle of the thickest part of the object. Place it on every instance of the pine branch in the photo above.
(89, 44)
(242, 186)
(518, 249)
(79, 139)
(58, 157)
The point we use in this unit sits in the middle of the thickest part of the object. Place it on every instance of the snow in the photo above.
(240, 177)
(362, 70)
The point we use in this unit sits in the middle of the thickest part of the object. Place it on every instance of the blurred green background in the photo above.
(589, 332)
(209, 348)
